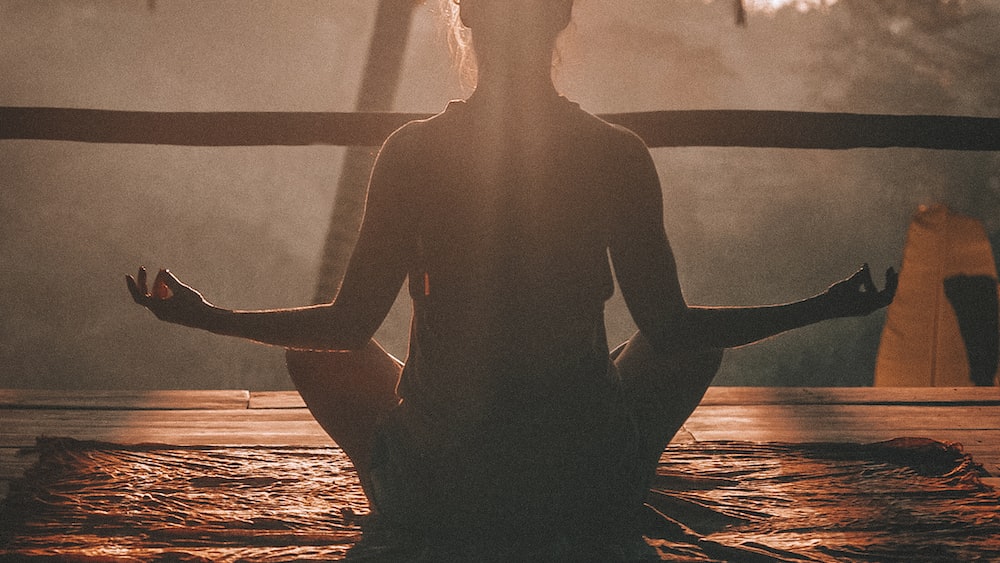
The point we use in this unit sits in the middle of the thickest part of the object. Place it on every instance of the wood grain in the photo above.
(278, 418)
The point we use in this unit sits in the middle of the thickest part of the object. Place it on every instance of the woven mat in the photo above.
(905, 500)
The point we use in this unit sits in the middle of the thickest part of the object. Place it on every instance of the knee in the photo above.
(369, 371)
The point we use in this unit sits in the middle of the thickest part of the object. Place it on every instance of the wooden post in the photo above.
(377, 93)
(741, 13)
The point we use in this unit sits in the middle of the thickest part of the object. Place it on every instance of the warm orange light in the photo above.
(801, 5)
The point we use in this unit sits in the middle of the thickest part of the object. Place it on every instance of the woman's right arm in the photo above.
(319, 327)
(371, 283)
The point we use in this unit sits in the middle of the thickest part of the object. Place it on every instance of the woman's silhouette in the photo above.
(512, 421)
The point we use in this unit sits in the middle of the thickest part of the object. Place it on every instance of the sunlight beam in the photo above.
(773, 5)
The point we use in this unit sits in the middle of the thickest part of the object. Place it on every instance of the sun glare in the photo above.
(772, 5)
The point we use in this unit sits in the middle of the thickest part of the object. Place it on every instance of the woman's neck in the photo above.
(515, 76)
(514, 89)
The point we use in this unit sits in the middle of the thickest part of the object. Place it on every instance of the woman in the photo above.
(512, 422)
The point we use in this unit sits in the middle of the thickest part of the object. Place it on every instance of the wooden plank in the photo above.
(716, 128)
(151, 416)
(964, 415)
(206, 129)
(286, 434)
(20, 427)
(705, 418)
(720, 395)
(276, 400)
(213, 399)
(120, 399)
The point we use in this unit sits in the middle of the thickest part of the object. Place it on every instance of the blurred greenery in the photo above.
(246, 225)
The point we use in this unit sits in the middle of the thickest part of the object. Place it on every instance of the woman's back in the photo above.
(511, 220)
(510, 401)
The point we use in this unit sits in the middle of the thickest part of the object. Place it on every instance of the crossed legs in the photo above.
(349, 392)
(663, 391)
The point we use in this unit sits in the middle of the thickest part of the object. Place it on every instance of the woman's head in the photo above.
(504, 28)
(544, 17)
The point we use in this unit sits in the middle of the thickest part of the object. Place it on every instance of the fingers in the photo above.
(164, 285)
(171, 280)
(866, 279)
(137, 286)
(859, 294)
(891, 278)
(137, 295)
(891, 283)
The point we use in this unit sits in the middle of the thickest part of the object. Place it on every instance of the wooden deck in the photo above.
(970, 416)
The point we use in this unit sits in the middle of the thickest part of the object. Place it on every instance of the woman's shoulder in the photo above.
(458, 120)
(422, 133)
(623, 137)
(454, 111)
(614, 135)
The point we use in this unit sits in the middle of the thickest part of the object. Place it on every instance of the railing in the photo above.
(705, 128)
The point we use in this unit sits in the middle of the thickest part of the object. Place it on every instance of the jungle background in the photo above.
(247, 225)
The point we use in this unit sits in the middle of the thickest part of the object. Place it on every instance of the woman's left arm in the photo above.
(729, 327)
(647, 274)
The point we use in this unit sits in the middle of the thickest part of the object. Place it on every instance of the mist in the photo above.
(246, 225)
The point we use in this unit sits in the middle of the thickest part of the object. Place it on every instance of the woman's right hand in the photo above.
(169, 299)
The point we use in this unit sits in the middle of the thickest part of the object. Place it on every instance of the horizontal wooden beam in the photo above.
(811, 130)
(205, 129)
(705, 128)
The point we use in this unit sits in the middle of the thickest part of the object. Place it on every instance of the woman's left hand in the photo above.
(857, 296)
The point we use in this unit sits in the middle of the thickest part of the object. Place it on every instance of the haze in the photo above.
(246, 225)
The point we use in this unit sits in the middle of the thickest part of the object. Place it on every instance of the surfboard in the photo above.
(933, 336)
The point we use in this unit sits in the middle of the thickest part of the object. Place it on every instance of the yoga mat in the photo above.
(904, 500)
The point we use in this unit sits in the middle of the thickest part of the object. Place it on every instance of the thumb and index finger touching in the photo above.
(864, 278)
(860, 294)
(165, 285)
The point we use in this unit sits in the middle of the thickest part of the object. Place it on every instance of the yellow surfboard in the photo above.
(922, 343)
